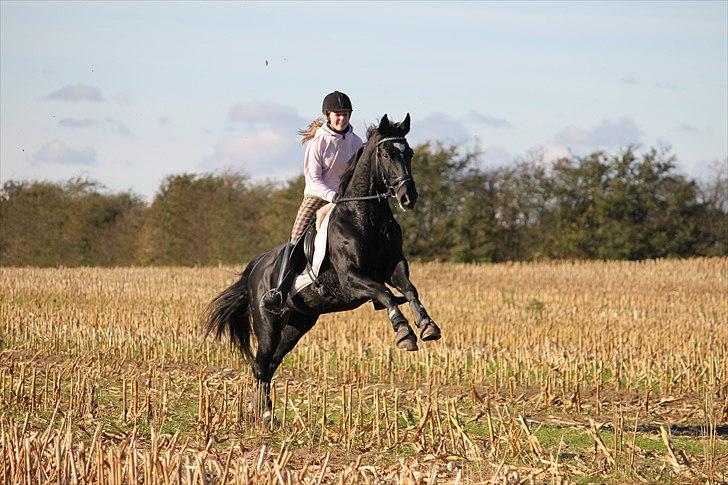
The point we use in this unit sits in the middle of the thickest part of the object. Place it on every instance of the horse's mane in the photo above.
(373, 135)
(349, 172)
(371, 131)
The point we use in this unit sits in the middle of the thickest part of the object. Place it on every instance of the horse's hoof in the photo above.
(430, 331)
(409, 344)
(406, 339)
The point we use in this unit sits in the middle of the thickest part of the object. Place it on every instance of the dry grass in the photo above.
(558, 373)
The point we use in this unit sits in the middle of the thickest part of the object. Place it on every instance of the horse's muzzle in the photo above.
(407, 195)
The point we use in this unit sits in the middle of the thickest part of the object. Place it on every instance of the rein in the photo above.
(365, 197)
(393, 187)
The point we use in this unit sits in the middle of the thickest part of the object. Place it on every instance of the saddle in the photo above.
(302, 260)
(302, 252)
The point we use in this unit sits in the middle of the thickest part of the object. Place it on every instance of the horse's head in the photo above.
(394, 158)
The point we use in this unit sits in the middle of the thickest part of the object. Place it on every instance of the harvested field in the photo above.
(585, 372)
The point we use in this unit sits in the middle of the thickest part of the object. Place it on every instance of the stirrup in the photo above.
(274, 299)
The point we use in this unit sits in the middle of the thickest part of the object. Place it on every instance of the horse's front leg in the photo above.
(400, 280)
(361, 286)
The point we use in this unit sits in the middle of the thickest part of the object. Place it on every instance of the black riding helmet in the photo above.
(336, 101)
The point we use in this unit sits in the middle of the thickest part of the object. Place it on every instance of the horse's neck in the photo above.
(365, 182)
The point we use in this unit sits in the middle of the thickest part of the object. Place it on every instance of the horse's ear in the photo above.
(405, 125)
(384, 123)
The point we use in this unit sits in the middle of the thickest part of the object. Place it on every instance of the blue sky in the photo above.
(129, 92)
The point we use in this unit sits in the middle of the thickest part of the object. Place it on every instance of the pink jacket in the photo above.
(327, 156)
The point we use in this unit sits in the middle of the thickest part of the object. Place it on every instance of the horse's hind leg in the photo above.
(275, 343)
(400, 280)
(268, 333)
(297, 326)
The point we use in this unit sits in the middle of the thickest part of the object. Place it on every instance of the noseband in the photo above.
(393, 186)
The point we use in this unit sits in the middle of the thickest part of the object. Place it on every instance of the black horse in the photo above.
(364, 251)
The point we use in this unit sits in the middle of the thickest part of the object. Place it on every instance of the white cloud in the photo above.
(663, 144)
(657, 85)
(108, 124)
(116, 126)
(60, 153)
(440, 127)
(124, 99)
(622, 132)
(265, 153)
(688, 128)
(475, 117)
(548, 153)
(495, 156)
(269, 114)
(77, 123)
(77, 92)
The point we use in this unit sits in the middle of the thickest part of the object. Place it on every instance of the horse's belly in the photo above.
(320, 300)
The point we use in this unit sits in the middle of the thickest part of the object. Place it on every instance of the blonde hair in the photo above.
(308, 133)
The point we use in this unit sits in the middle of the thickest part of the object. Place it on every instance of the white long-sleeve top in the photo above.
(327, 156)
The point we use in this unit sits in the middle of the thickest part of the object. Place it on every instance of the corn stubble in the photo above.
(547, 373)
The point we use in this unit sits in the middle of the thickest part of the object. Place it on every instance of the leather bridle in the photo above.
(392, 186)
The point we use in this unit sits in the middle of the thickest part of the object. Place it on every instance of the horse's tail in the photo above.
(228, 312)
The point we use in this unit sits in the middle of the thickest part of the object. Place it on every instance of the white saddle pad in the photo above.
(319, 251)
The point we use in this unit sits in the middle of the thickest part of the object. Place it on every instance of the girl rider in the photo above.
(331, 145)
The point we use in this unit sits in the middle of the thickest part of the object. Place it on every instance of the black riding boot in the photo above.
(274, 298)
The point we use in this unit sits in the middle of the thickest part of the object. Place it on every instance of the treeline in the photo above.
(602, 206)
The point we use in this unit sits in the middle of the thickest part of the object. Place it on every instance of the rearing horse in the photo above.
(364, 251)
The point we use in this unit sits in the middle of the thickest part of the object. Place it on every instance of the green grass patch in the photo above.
(574, 439)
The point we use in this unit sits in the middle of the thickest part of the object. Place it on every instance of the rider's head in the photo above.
(337, 110)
